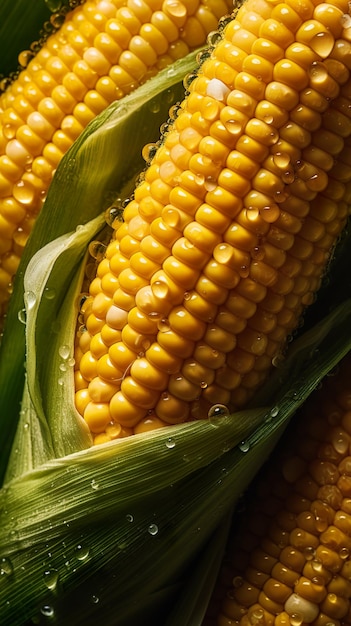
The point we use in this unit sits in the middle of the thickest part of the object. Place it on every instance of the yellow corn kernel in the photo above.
(229, 232)
(289, 558)
(100, 54)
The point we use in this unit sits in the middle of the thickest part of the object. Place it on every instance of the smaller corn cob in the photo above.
(228, 235)
(103, 50)
(289, 561)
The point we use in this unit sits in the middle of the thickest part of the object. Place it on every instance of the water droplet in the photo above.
(270, 213)
(154, 106)
(49, 294)
(24, 57)
(97, 250)
(318, 73)
(163, 325)
(23, 192)
(30, 299)
(233, 127)
(22, 316)
(188, 79)
(53, 5)
(340, 441)
(170, 443)
(237, 581)
(218, 410)
(296, 619)
(152, 529)
(309, 553)
(252, 213)
(278, 360)
(95, 599)
(210, 183)
(269, 119)
(82, 552)
(344, 553)
(274, 411)
(6, 568)
(244, 446)
(288, 177)
(129, 517)
(114, 212)
(223, 253)
(171, 217)
(160, 289)
(148, 152)
(281, 160)
(203, 384)
(51, 577)
(64, 352)
(322, 43)
(279, 196)
(213, 38)
(47, 610)
(175, 8)
(9, 131)
(244, 271)
(257, 253)
(57, 19)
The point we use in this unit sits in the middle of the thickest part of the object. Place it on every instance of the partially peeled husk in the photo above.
(131, 531)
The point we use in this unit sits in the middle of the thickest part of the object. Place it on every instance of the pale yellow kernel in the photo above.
(124, 411)
(97, 346)
(185, 324)
(149, 423)
(172, 410)
(175, 343)
(139, 394)
(208, 356)
(199, 306)
(108, 371)
(88, 366)
(82, 399)
(100, 390)
(160, 358)
(180, 387)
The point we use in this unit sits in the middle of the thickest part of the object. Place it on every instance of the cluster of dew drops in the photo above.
(58, 10)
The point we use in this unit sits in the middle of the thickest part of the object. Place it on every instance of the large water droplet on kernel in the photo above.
(322, 44)
(318, 73)
(23, 192)
(160, 289)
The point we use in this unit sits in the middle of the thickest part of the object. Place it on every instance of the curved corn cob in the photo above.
(289, 562)
(104, 49)
(227, 237)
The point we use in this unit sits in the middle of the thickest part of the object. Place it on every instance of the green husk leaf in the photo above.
(95, 171)
(72, 523)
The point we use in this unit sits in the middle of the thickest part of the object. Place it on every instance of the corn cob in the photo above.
(289, 560)
(226, 239)
(104, 49)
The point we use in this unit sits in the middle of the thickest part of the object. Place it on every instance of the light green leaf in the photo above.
(95, 171)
